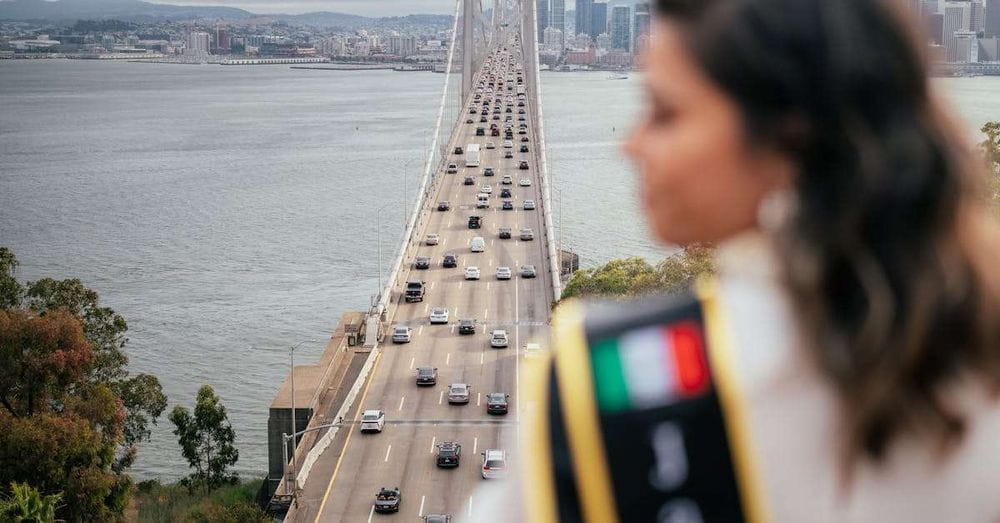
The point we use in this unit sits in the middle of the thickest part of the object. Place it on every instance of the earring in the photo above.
(775, 210)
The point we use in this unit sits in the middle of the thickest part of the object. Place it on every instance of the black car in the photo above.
(467, 326)
(523, 166)
(508, 205)
(427, 375)
(496, 403)
(387, 500)
(524, 138)
(505, 193)
(524, 148)
(458, 150)
(422, 262)
(444, 206)
(482, 119)
(468, 181)
(504, 233)
(475, 222)
(480, 131)
(449, 454)
(469, 121)
(488, 171)
(450, 260)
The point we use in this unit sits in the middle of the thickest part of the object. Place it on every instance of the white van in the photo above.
(478, 244)
(482, 201)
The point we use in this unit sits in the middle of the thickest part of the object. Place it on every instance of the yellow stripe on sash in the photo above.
(539, 486)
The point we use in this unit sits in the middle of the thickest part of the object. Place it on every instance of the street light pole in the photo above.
(378, 240)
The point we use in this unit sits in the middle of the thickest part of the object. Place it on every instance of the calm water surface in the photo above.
(229, 212)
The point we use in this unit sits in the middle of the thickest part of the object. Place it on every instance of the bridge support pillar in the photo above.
(468, 46)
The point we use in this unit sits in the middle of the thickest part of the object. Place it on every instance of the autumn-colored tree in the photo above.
(629, 277)
(207, 441)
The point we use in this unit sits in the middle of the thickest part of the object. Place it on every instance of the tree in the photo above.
(27, 505)
(991, 145)
(207, 441)
(628, 277)
(10, 290)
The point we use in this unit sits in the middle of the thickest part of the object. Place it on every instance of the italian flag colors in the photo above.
(650, 367)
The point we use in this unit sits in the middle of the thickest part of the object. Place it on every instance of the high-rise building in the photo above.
(553, 37)
(992, 26)
(621, 37)
(557, 17)
(977, 16)
(641, 23)
(198, 42)
(599, 19)
(603, 41)
(934, 24)
(542, 12)
(955, 19)
(584, 18)
(967, 47)
(989, 49)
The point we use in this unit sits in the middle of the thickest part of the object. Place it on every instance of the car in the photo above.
(523, 166)
(507, 205)
(527, 234)
(524, 138)
(469, 181)
(459, 393)
(439, 315)
(486, 188)
(520, 103)
(480, 131)
(528, 271)
(529, 205)
(472, 273)
(449, 454)
(449, 261)
(493, 132)
(414, 291)
(437, 518)
(507, 180)
(472, 110)
(467, 326)
(499, 339)
(496, 403)
(525, 182)
(387, 500)
(444, 206)
(469, 121)
(508, 154)
(521, 118)
(372, 421)
(496, 115)
(520, 111)
(531, 350)
(491, 145)
(452, 168)
(475, 222)
(488, 171)
(427, 375)
(505, 193)
(458, 150)
(504, 273)
(432, 239)
(524, 148)
(422, 262)
(483, 119)
(507, 144)
(494, 464)
(504, 233)
(401, 334)
(477, 244)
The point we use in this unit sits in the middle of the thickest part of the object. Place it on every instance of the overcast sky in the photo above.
(357, 7)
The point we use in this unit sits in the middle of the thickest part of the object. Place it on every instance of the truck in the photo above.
(472, 155)
(415, 291)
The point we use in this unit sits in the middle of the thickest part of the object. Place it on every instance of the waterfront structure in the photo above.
(603, 41)
(966, 47)
(599, 19)
(620, 28)
(641, 23)
(553, 37)
(198, 42)
(989, 49)
(584, 19)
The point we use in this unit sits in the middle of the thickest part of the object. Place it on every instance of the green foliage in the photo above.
(10, 290)
(27, 505)
(991, 145)
(171, 503)
(207, 441)
(628, 277)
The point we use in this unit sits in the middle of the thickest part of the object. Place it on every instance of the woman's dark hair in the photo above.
(890, 257)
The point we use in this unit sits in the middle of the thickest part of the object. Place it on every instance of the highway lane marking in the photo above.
(431, 286)
(401, 403)
(441, 397)
(426, 306)
(433, 441)
(412, 360)
(470, 505)
(370, 513)
(343, 452)
(447, 359)
(460, 284)
(475, 444)
(453, 329)
(479, 397)
(486, 312)
(491, 264)
(420, 331)
(389, 448)
(482, 356)
(517, 359)
(421, 513)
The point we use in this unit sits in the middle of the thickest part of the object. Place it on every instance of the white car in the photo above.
(477, 244)
(432, 239)
(504, 273)
(529, 205)
(439, 315)
(531, 350)
(452, 168)
(491, 145)
(472, 273)
(508, 144)
(494, 464)
(498, 339)
(527, 234)
(525, 182)
(507, 180)
(372, 421)
(459, 393)
(486, 189)
(401, 334)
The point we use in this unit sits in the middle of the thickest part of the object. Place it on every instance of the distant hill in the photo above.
(68, 11)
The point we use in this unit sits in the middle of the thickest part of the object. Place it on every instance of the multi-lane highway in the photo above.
(346, 478)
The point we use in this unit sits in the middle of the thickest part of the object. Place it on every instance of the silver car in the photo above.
(504, 273)
(401, 334)
(528, 271)
(432, 239)
(527, 234)
(439, 315)
(459, 393)
(498, 339)
(529, 205)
